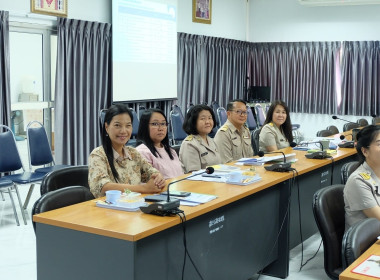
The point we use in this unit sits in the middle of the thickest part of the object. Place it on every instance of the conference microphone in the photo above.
(348, 144)
(168, 206)
(317, 154)
(336, 118)
(277, 167)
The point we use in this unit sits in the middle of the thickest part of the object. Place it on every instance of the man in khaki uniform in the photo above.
(233, 139)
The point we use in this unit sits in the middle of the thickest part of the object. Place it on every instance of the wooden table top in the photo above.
(133, 226)
(348, 275)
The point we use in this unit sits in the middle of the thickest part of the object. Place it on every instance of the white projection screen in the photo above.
(144, 50)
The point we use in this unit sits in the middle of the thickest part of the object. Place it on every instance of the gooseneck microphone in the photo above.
(276, 167)
(336, 118)
(168, 207)
(209, 170)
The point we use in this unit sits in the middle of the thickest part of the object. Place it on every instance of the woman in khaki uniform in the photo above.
(277, 130)
(198, 150)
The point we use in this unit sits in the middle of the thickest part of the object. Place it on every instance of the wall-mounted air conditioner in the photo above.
(337, 2)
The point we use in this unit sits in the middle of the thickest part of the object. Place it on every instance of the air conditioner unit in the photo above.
(337, 2)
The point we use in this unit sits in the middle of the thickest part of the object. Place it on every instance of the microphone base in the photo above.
(348, 144)
(279, 167)
(162, 208)
(317, 155)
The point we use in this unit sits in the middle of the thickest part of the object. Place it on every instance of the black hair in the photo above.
(112, 111)
(230, 105)
(287, 125)
(190, 122)
(364, 138)
(143, 134)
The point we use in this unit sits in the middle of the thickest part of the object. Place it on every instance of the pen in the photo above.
(212, 176)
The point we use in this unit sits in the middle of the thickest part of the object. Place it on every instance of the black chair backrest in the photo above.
(61, 198)
(215, 106)
(102, 115)
(329, 214)
(347, 169)
(255, 141)
(358, 239)
(62, 178)
(349, 126)
(362, 122)
(324, 133)
(333, 129)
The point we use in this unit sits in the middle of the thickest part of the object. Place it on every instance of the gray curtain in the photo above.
(360, 78)
(83, 87)
(302, 74)
(5, 89)
(210, 69)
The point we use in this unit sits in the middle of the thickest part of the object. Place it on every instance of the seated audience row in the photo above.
(144, 169)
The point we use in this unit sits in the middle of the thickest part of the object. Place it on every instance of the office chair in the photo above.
(60, 198)
(324, 133)
(71, 176)
(358, 238)
(333, 129)
(39, 148)
(328, 210)
(102, 115)
(176, 123)
(347, 169)
(362, 122)
(255, 141)
(376, 120)
(10, 161)
(349, 126)
(6, 186)
(222, 115)
(215, 106)
(260, 114)
(141, 110)
(135, 128)
(251, 123)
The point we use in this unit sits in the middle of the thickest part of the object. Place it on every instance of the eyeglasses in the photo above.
(157, 125)
(240, 112)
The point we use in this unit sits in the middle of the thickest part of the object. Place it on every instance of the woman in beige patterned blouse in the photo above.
(114, 166)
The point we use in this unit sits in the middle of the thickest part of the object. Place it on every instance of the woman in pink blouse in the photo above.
(155, 148)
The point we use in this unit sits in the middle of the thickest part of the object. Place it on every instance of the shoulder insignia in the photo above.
(365, 175)
(271, 124)
(189, 138)
(224, 128)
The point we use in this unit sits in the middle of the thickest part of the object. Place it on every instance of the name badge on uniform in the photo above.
(282, 140)
(204, 154)
(234, 138)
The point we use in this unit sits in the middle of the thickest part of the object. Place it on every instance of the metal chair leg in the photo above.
(13, 205)
(31, 188)
(2, 195)
(19, 201)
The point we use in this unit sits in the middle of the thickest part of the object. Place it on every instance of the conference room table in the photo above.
(347, 274)
(245, 230)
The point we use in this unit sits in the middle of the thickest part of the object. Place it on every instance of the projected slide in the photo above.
(144, 50)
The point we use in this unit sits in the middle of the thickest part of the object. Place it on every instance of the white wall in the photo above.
(288, 21)
(228, 19)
